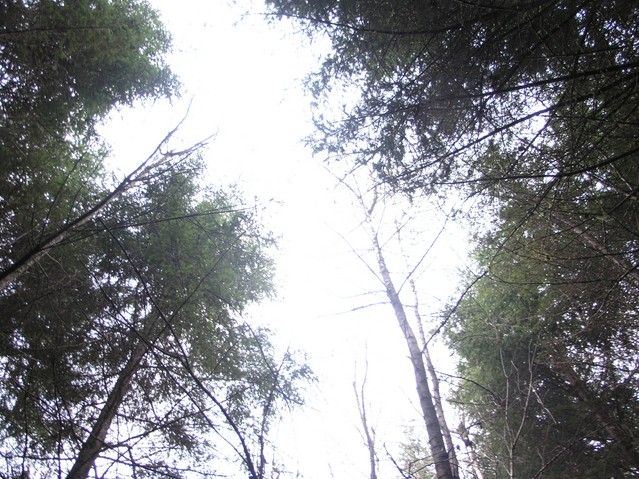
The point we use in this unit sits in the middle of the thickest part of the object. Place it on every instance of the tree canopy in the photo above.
(441, 86)
(66, 64)
(548, 365)
(529, 107)
(124, 292)
(123, 349)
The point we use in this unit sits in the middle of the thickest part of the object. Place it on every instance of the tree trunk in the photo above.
(470, 447)
(434, 380)
(435, 439)
(369, 433)
(94, 443)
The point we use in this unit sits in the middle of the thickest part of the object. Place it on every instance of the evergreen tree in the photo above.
(530, 106)
(124, 345)
(441, 85)
(122, 348)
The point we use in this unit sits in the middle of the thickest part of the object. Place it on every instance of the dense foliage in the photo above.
(438, 86)
(123, 352)
(128, 284)
(65, 64)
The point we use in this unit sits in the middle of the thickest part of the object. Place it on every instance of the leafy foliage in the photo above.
(549, 360)
(129, 280)
(122, 346)
(441, 86)
(64, 64)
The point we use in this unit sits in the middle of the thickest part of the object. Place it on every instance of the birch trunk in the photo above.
(435, 438)
(434, 380)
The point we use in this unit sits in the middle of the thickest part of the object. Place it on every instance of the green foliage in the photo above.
(547, 350)
(442, 85)
(153, 282)
(65, 64)
(169, 265)
(531, 107)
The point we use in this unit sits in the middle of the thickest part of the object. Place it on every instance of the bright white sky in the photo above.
(244, 78)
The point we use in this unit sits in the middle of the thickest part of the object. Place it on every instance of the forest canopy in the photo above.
(123, 350)
(530, 109)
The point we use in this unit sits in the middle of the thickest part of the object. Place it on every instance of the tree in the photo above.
(568, 249)
(66, 64)
(531, 107)
(123, 350)
(547, 362)
(440, 87)
(370, 202)
(119, 347)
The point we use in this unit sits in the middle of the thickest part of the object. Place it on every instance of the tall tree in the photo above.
(532, 106)
(122, 345)
(369, 203)
(548, 356)
(125, 343)
(66, 64)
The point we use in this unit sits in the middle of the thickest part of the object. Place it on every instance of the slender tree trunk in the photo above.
(22, 264)
(434, 380)
(470, 447)
(435, 438)
(94, 443)
(437, 401)
(369, 433)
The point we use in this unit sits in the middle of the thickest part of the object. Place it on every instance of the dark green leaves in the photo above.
(437, 86)
(68, 63)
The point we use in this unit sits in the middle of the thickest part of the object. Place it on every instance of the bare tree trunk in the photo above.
(369, 432)
(22, 264)
(436, 444)
(94, 443)
(434, 380)
(470, 447)
(435, 438)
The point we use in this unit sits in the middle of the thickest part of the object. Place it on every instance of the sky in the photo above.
(242, 83)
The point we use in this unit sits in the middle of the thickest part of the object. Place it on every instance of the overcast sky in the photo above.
(243, 79)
